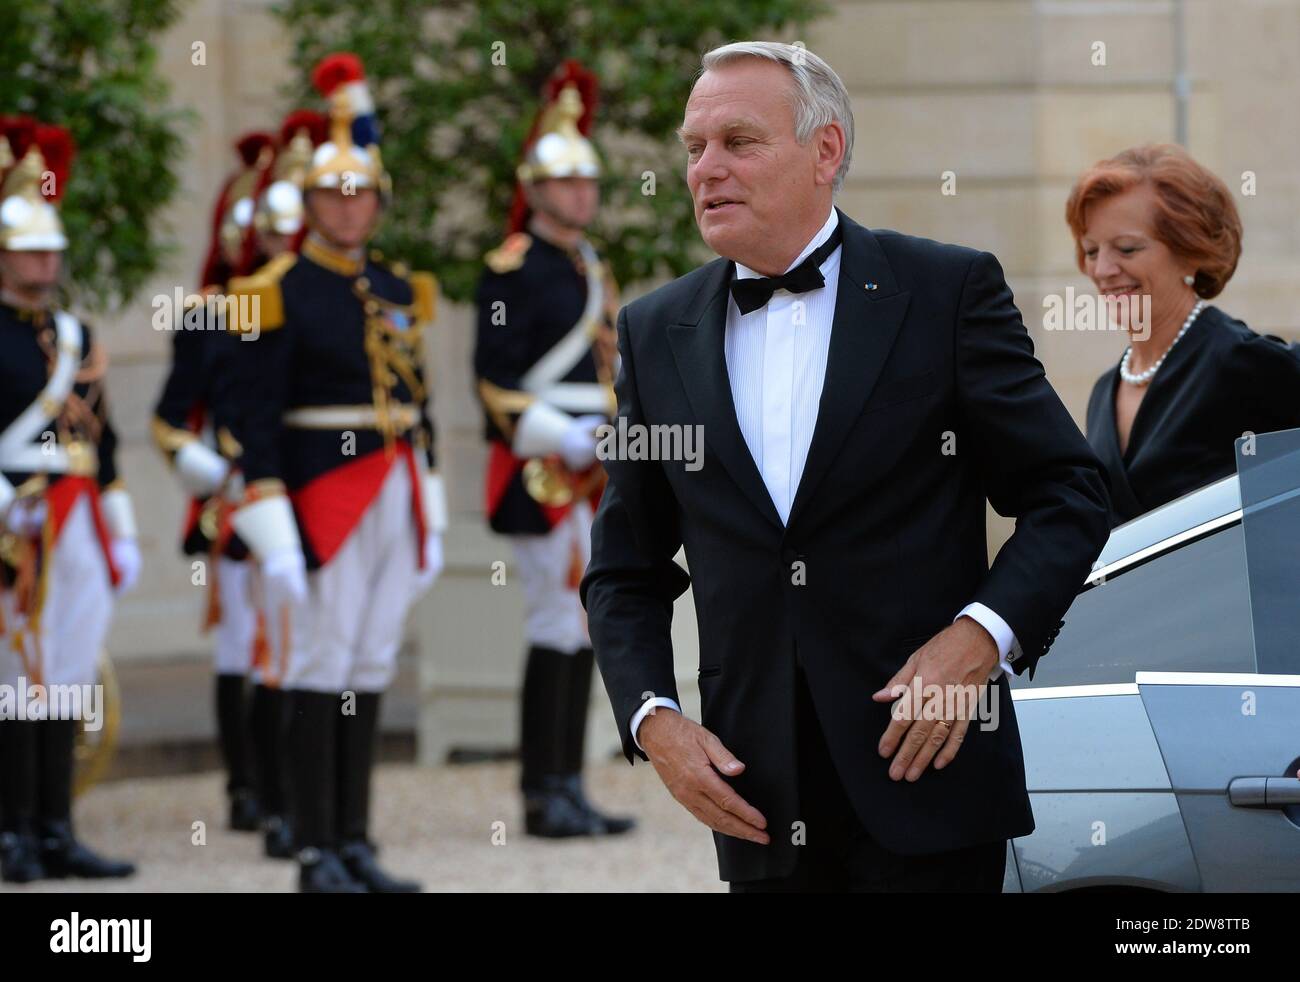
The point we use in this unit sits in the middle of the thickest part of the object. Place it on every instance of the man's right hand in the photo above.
(686, 754)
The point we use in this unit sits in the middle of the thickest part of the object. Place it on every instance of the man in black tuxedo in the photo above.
(857, 412)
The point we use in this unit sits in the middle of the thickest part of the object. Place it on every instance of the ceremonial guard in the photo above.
(67, 532)
(342, 506)
(200, 452)
(258, 217)
(545, 360)
(277, 228)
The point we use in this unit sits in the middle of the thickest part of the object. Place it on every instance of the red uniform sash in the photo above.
(330, 506)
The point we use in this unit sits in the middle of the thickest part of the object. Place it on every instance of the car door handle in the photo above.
(1264, 792)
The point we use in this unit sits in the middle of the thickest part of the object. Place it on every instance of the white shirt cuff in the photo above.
(646, 708)
(1000, 630)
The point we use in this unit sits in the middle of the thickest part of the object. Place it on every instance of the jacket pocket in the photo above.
(708, 671)
(891, 392)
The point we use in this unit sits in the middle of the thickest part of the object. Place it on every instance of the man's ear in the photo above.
(830, 151)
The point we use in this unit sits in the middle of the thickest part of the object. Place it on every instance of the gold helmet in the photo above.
(279, 208)
(558, 145)
(38, 158)
(232, 212)
(350, 157)
(559, 149)
(240, 194)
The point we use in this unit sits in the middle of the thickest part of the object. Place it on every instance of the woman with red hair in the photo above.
(1159, 235)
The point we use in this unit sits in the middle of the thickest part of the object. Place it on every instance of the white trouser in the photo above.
(555, 618)
(235, 632)
(75, 614)
(346, 635)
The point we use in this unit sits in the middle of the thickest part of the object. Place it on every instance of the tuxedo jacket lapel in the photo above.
(698, 349)
(869, 310)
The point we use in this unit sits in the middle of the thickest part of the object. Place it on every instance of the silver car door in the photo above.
(1231, 742)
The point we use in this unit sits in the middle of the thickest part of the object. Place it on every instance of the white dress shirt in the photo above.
(776, 363)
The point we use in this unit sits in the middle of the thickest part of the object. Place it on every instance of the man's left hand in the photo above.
(957, 660)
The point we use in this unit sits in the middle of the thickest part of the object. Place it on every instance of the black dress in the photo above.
(1220, 381)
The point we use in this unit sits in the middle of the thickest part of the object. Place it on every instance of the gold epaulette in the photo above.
(424, 290)
(509, 255)
(254, 302)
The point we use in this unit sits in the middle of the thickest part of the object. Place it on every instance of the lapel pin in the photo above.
(869, 285)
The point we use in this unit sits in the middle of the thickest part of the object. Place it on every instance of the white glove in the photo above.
(433, 562)
(26, 517)
(126, 557)
(284, 579)
(200, 468)
(578, 445)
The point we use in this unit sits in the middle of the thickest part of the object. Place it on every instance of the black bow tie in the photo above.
(753, 293)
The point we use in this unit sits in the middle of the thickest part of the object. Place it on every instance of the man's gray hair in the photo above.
(819, 95)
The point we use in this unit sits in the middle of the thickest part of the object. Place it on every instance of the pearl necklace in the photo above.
(1142, 378)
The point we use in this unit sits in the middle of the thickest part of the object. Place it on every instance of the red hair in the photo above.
(1195, 214)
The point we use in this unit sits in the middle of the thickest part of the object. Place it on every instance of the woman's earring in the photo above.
(1189, 279)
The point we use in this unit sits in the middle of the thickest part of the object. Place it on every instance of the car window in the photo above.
(1187, 610)
(1268, 466)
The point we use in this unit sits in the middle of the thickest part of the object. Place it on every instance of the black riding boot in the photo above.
(61, 854)
(578, 674)
(310, 746)
(267, 718)
(549, 811)
(20, 854)
(356, 755)
(232, 733)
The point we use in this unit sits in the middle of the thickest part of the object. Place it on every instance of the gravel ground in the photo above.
(435, 824)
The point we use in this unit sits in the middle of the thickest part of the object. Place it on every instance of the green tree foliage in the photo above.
(454, 117)
(91, 66)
